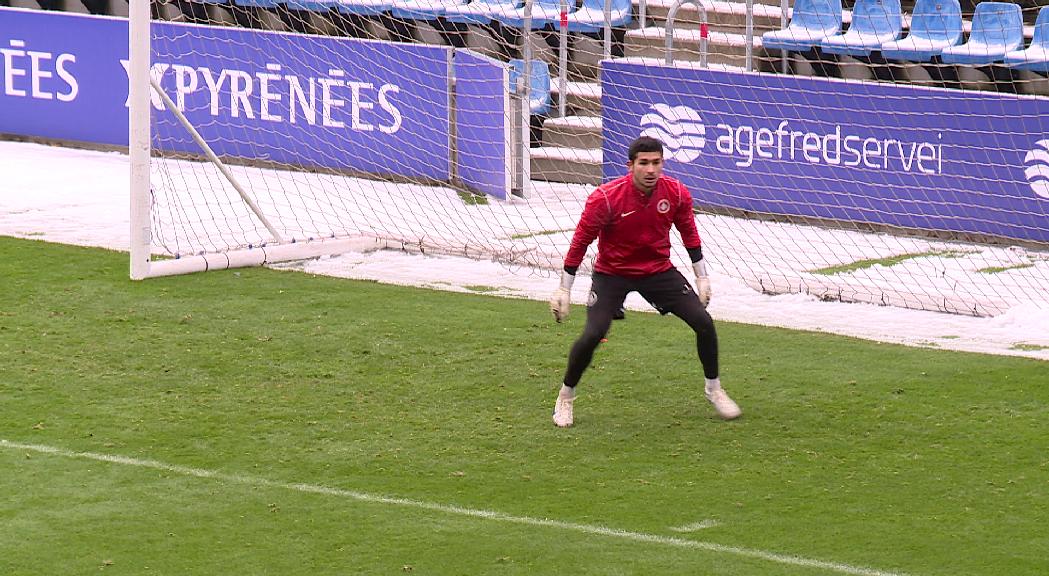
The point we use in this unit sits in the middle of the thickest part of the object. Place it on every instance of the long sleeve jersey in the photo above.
(632, 229)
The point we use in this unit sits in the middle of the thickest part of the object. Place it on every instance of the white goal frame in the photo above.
(140, 145)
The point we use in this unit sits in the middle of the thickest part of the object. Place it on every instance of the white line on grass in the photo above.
(458, 510)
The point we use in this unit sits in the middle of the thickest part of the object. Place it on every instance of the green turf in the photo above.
(917, 461)
(886, 262)
(471, 199)
(1000, 269)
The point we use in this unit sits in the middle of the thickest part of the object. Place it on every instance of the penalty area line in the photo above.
(592, 529)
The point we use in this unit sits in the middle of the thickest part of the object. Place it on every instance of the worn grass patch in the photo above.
(999, 269)
(471, 199)
(888, 261)
(1028, 347)
(482, 289)
(541, 233)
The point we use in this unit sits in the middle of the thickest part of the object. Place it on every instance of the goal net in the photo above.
(318, 128)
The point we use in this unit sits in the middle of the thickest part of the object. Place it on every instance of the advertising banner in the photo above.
(921, 158)
(63, 76)
(374, 107)
(482, 108)
(344, 104)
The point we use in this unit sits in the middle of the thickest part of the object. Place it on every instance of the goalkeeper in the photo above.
(631, 218)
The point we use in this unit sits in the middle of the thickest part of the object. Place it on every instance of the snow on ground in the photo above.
(81, 197)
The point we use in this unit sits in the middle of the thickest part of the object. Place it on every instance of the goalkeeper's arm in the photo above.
(700, 269)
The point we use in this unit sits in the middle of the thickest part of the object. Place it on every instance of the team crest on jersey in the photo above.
(663, 206)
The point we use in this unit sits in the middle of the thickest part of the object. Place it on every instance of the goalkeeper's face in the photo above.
(646, 169)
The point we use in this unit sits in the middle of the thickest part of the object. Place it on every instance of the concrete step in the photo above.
(727, 49)
(686, 64)
(757, 3)
(574, 165)
(572, 132)
(584, 98)
(722, 16)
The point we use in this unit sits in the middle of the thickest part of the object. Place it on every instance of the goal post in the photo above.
(141, 83)
(139, 135)
(252, 146)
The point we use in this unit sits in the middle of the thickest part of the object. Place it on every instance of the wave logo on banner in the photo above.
(1037, 171)
(680, 128)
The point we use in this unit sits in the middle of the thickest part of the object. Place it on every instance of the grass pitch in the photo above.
(253, 421)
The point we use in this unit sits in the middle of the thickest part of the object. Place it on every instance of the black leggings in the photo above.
(668, 291)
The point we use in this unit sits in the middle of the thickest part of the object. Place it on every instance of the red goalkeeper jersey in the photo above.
(632, 229)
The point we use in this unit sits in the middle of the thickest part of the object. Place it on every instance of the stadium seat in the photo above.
(591, 16)
(193, 12)
(935, 25)
(257, 14)
(810, 23)
(363, 7)
(539, 98)
(480, 11)
(997, 28)
(874, 22)
(544, 13)
(256, 3)
(1036, 56)
(422, 9)
(315, 5)
(299, 15)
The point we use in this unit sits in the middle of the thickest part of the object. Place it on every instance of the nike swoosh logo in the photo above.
(625, 214)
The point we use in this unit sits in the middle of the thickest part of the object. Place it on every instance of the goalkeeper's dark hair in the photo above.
(644, 144)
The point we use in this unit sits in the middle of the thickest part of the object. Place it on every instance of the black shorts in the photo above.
(666, 292)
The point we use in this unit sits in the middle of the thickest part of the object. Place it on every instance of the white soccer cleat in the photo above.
(563, 411)
(724, 405)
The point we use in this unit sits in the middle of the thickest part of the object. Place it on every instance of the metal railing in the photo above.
(703, 31)
(524, 88)
(608, 29)
(750, 36)
(642, 13)
(783, 7)
(562, 68)
(526, 55)
(562, 58)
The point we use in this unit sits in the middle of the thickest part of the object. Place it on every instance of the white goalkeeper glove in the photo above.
(702, 282)
(561, 301)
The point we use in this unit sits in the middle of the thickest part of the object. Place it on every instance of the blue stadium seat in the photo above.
(364, 7)
(257, 3)
(810, 22)
(935, 25)
(480, 11)
(423, 9)
(1036, 56)
(539, 99)
(874, 22)
(544, 13)
(313, 5)
(591, 16)
(997, 29)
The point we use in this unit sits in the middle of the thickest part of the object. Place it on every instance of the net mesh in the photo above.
(316, 97)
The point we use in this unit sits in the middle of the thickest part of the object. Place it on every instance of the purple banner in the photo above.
(920, 158)
(374, 107)
(482, 124)
(63, 76)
